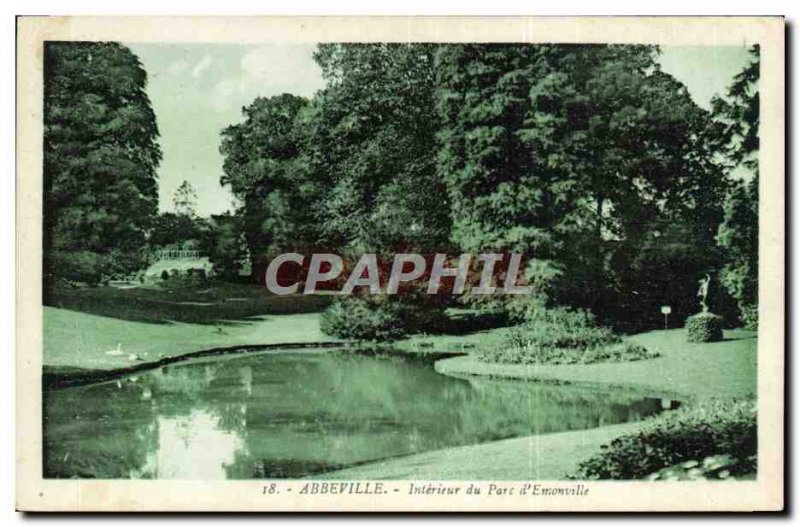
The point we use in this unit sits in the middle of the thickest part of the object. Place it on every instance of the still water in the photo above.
(295, 414)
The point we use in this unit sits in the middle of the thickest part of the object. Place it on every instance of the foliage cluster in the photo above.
(737, 117)
(562, 336)
(195, 277)
(493, 147)
(100, 159)
(704, 327)
(689, 435)
(379, 318)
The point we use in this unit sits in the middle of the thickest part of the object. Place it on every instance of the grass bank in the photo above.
(74, 340)
(81, 326)
(539, 457)
(723, 369)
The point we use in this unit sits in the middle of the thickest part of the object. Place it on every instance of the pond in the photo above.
(273, 415)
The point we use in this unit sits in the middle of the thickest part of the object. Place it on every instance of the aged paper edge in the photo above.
(33, 493)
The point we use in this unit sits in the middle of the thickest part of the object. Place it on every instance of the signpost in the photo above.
(666, 310)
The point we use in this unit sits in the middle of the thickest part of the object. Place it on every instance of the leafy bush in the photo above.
(196, 276)
(750, 317)
(81, 266)
(355, 318)
(557, 336)
(704, 327)
(562, 336)
(92, 267)
(573, 319)
(517, 309)
(720, 467)
(378, 318)
(738, 238)
(623, 352)
(684, 436)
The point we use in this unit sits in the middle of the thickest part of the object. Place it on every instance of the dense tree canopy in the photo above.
(222, 241)
(173, 230)
(100, 159)
(551, 147)
(589, 159)
(500, 196)
(263, 171)
(737, 116)
(373, 140)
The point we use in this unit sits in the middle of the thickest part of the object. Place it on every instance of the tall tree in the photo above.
(499, 196)
(373, 139)
(737, 116)
(222, 241)
(372, 142)
(175, 231)
(184, 200)
(634, 150)
(261, 167)
(100, 159)
(503, 195)
(546, 148)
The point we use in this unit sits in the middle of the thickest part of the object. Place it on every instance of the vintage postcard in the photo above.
(400, 264)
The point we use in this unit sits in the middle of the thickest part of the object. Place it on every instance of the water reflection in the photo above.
(194, 447)
(293, 414)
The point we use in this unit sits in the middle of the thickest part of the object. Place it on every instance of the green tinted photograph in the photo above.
(400, 261)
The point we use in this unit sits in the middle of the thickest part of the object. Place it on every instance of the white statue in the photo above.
(703, 292)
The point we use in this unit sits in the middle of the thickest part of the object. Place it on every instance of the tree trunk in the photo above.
(599, 226)
(597, 286)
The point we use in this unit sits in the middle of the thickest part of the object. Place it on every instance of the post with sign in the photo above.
(666, 310)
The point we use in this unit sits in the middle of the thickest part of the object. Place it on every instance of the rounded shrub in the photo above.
(704, 327)
(378, 318)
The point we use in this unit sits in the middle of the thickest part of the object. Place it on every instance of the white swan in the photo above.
(117, 351)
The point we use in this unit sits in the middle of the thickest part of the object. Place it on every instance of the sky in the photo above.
(198, 89)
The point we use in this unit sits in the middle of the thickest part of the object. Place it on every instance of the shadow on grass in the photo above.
(464, 322)
(219, 304)
(747, 337)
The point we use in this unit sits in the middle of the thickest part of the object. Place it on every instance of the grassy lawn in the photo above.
(540, 457)
(698, 371)
(83, 324)
(80, 340)
(152, 323)
(469, 332)
(451, 343)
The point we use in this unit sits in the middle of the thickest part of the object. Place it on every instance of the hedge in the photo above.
(704, 327)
